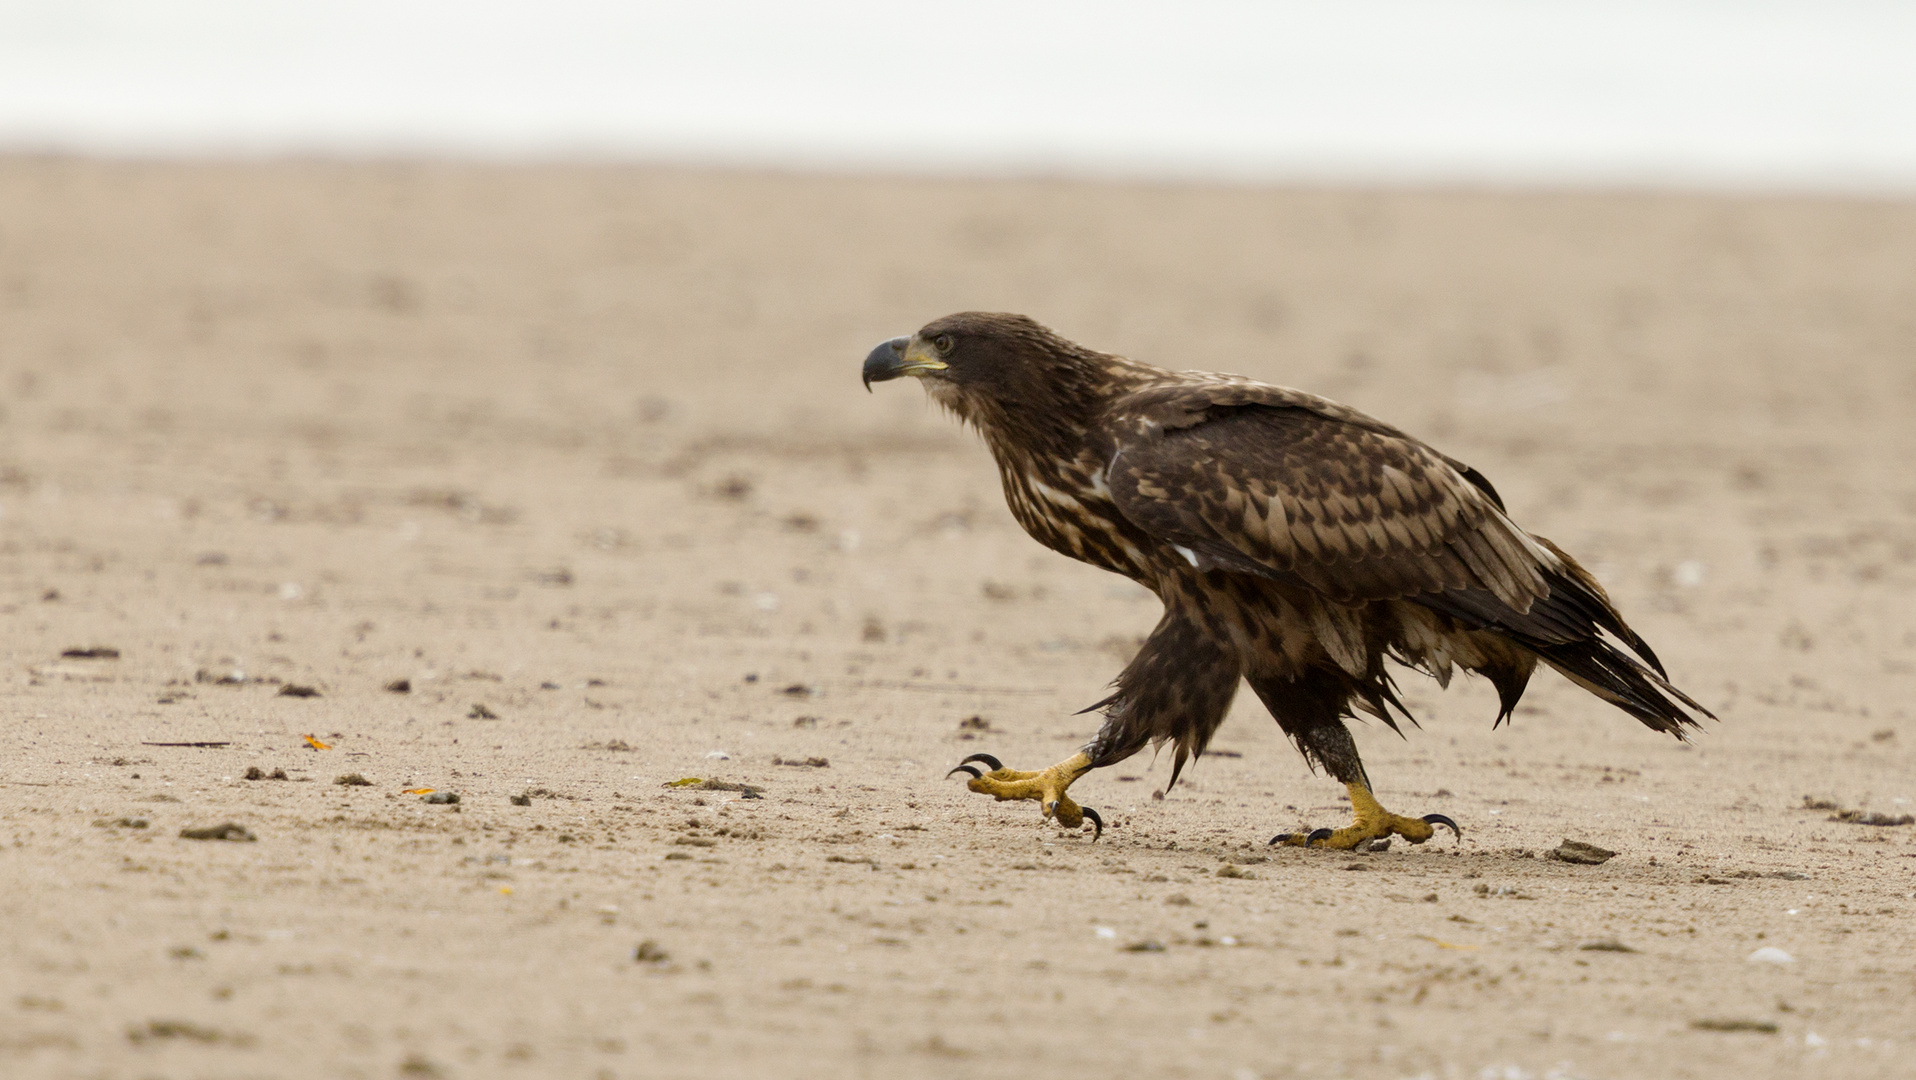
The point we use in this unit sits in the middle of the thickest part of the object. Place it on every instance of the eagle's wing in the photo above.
(1266, 480)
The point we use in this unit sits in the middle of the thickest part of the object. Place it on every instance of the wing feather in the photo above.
(1266, 480)
(1300, 487)
(1491, 569)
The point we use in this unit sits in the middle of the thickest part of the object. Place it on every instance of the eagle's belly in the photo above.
(1272, 629)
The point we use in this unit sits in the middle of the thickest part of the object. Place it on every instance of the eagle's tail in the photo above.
(1625, 682)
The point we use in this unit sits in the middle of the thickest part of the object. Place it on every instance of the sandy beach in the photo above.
(549, 487)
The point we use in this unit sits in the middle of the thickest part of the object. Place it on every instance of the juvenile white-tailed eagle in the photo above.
(1296, 543)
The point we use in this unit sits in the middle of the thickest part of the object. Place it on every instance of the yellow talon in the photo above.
(1046, 787)
(1372, 822)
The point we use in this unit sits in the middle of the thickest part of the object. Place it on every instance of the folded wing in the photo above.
(1264, 480)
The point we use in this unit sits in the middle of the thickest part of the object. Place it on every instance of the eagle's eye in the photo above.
(943, 344)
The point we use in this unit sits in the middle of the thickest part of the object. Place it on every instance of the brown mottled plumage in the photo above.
(1295, 542)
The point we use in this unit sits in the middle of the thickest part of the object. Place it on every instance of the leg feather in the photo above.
(1311, 710)
(1177, 690)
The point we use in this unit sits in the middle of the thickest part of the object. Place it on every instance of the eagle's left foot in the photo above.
(1046, 787)
(1373, 822)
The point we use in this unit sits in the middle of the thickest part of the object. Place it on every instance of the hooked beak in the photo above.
(898, 357)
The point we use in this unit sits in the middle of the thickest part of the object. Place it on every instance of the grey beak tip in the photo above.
(882, 363)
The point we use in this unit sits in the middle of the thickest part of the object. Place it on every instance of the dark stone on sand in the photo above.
(228, 831)
(1576, 851)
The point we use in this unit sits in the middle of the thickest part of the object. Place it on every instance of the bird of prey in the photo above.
(1296, 544)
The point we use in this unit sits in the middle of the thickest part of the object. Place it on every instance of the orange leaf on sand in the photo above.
(418, 791)
(316, 744)
(1444, 944)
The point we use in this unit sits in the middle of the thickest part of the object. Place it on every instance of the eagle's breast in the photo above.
(1067, 507)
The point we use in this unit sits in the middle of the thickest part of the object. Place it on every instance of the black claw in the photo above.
(1096, 821)
(1316, 835)
(1439, 819)
(971, 769)
(987, 759)
(1279, 838)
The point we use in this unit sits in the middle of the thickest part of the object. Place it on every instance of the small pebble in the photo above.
(1770, 954)
(440, 798)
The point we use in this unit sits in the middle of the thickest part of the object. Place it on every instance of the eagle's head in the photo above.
(997, 371)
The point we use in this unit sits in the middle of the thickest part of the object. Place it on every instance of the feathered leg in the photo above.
(1311, 710)
(1177, 689)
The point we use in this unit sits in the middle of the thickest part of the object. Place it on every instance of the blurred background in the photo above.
(1784, 94)
(490, 369)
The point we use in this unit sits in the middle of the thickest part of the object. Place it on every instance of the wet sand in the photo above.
(580, 455)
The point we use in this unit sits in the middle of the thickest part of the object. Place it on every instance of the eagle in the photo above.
(1296, 545)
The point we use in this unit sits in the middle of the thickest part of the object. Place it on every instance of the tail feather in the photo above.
(1510, 675)
(1625, 682)
(1590, 598)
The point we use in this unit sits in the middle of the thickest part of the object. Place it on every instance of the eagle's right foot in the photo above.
(1373, 822)
(1046, 787)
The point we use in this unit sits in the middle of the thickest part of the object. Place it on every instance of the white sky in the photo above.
(1737, 93)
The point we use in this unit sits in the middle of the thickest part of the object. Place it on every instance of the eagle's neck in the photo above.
(1051, 411)
(1052, 451)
